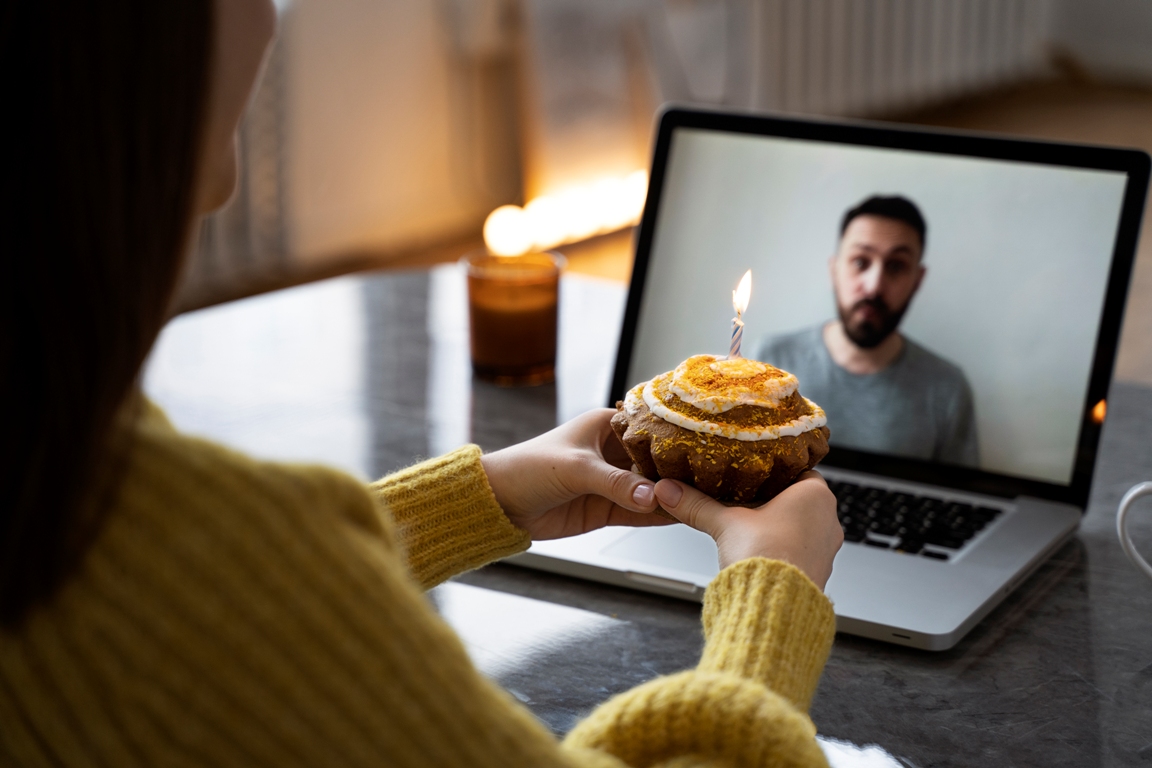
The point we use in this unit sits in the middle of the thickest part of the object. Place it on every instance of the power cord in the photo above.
(1135, 492)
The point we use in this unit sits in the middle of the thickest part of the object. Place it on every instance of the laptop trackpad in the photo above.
(675, 546)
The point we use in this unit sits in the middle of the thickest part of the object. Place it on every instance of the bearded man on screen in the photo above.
(882, 391)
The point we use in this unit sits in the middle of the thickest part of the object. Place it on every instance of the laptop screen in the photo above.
(941, 308)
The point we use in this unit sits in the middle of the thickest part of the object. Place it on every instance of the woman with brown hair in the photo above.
(166, 601)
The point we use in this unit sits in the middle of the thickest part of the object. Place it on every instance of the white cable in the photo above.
(1135, 492)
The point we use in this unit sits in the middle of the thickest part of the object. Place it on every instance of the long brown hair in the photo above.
(104, 112)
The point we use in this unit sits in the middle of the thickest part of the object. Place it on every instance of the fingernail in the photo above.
(643, 495)
(669, 494)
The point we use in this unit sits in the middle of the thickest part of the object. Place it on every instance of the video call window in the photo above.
(987, 277)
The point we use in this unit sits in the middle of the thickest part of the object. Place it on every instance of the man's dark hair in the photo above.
(893, 207)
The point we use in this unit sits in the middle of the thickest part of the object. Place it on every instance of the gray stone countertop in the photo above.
(370, 373)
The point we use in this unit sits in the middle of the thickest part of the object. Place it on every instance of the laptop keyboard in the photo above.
(905, 522)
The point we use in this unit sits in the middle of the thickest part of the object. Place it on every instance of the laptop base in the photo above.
(879, 594)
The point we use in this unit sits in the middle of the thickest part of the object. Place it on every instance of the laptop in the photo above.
(965, 461)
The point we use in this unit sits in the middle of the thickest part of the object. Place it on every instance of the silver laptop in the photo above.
(952, 301)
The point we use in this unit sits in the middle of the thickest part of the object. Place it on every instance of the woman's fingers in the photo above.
(620, 486)
(594, 474)
(811, 475)
(609, 445)
(689, 506)
(593, 426)
(798, 526)
(562, 483)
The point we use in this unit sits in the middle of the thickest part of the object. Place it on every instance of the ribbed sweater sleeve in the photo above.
(447, 518)
(768, 631)
(239, 613)
(766, 621)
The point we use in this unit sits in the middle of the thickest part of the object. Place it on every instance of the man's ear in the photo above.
(920, 277)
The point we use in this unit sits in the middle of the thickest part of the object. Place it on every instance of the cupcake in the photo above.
(736, 429)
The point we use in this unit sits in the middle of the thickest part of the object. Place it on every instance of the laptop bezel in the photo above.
(1134, 163)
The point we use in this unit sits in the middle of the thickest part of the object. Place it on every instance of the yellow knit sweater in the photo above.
(242, 613)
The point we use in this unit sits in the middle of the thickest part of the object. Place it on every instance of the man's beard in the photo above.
(868, 334)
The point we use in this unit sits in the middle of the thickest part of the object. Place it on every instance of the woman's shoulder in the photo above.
(171, 481)
(198, 522)
(221, 593)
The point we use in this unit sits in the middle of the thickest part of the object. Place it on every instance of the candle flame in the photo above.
(1099, 411)
(742, 293)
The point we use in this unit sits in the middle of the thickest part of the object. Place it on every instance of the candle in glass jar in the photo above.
(512, 309)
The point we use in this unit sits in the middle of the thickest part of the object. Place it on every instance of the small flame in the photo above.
(742, 293)
(1099, 411)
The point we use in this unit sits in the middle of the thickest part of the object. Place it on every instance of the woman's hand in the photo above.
(799, 526)
(571, 480)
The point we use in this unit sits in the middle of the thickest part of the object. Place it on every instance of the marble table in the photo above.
(370, 373)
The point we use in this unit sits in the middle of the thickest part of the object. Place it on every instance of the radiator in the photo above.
(872, 57)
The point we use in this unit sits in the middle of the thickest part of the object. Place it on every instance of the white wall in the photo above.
(1017, 260)
(389, 139)
(383, 137)
(378, 132)
(1111, 38)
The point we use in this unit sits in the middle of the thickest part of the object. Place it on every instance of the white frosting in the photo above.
(633, 400)
(738, 367)
(768, 394)
(797, 426)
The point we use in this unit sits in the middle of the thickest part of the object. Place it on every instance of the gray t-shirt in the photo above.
(920, 406)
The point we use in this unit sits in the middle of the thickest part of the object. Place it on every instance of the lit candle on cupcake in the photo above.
(737, 429)
(740, 304)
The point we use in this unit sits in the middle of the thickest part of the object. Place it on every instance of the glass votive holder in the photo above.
(512, 307)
